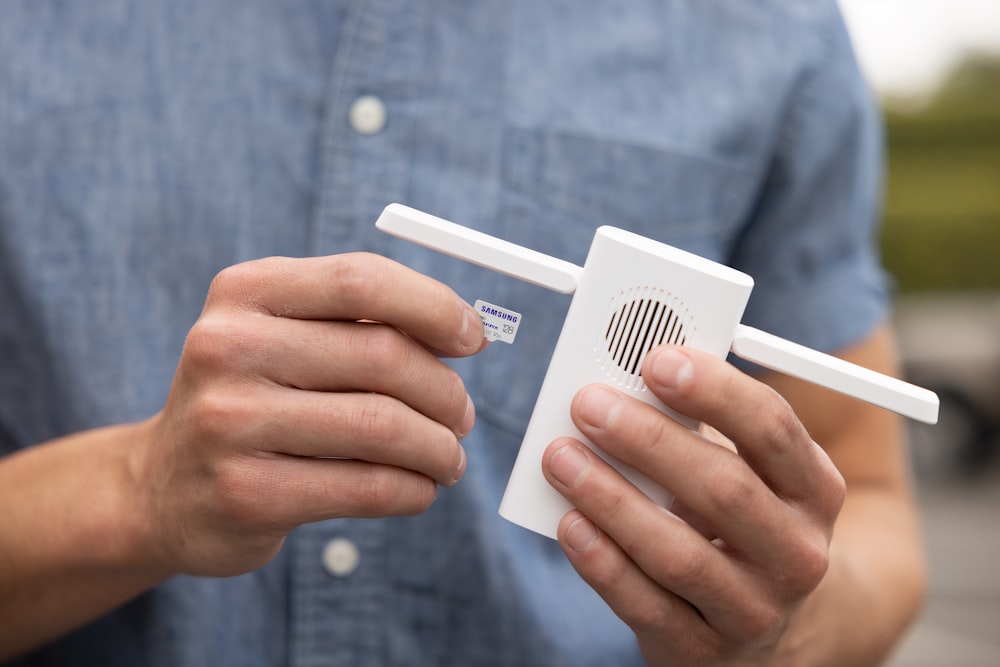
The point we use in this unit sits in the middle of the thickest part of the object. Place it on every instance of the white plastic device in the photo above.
(632, 294)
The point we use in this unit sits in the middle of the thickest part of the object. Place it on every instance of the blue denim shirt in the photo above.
(146, 145)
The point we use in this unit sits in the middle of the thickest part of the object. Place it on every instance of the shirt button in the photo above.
(367, 115)
(340, 557)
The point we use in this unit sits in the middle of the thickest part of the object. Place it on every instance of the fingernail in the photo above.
(469, 419)
(599, 406)
(472, 330)
(569, 465)
(460, 470)
(671, 368)
(580, 534)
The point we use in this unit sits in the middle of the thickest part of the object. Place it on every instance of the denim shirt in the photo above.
(146, 145)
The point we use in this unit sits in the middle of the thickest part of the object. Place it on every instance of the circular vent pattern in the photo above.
(639, 320)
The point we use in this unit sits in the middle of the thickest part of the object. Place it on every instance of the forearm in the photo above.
(73, 541)
(875, 582)
(872, 590)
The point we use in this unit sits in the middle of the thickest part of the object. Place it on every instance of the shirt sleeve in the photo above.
(811, 243)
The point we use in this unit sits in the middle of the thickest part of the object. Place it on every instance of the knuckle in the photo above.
(611, 503)
(708, 646)
(383, 491)
(419, 499)
(216, 343)
(419, 493)
(358, 277)
(378, 348)
(237, 492)
(782, 424)
(216, 415)
(655, 432)
(206, 344)
(734, 486)
(727, 393)
(607, 574)
(687, 566)
(373, 494)
(647, 619)
(236, 282)
(827, 493)
(374, 421)
(808, 562)
(761, 622)
(835, 495)
(229, 280)
(701, 645)
(250, 286)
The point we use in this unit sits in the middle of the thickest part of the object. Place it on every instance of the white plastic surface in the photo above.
(622, 268)
(626, 277)
(805, 363)
(478, 248)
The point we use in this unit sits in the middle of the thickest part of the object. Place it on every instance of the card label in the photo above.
(498, 323)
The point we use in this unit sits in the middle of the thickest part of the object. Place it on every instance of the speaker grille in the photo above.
(638, 320)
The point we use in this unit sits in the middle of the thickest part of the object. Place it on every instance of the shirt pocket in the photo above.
(556, 190)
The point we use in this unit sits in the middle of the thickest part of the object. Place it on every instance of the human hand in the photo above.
(308, 389)
(716, 580)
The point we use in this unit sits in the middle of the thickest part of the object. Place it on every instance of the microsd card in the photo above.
(498, 323)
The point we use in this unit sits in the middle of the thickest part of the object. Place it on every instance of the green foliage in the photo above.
(942, 209)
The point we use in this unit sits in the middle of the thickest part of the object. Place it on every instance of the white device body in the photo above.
(632, 294)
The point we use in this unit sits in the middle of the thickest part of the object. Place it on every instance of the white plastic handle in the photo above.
(805, 363)
(478, 248)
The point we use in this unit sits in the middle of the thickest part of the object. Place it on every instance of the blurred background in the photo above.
(935, 66)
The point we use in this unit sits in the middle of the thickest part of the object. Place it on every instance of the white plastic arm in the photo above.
(802, 362)
(478, 248)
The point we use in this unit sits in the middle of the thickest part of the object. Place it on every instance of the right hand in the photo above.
(308, 389)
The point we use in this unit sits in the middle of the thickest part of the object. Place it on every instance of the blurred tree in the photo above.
(942, 207)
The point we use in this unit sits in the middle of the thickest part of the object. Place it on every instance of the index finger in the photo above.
(758, 420)
(352, 287)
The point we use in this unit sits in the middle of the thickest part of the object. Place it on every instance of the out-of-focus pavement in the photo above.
(950, 343)
(960, 624)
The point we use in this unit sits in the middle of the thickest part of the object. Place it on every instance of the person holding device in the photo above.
(236, 430)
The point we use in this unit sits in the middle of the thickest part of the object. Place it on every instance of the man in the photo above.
(162, 442)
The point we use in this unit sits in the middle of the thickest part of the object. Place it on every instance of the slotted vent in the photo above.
(639, 320)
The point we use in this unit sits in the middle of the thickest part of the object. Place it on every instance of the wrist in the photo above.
(137, 533)
(83, 542)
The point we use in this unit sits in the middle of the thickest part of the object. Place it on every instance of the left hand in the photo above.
(717, 579)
